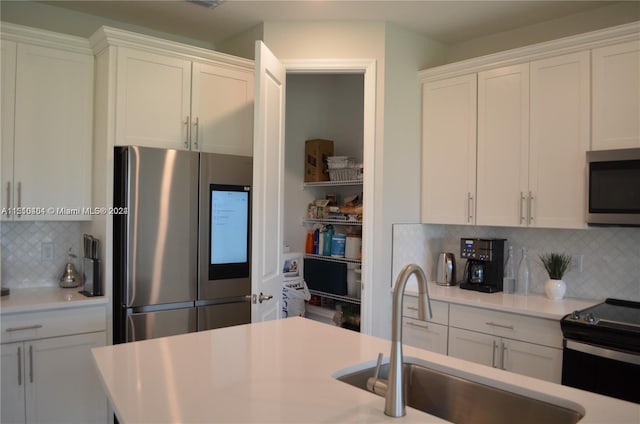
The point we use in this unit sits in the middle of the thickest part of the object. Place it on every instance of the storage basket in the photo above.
(339, 162)
(343, 174)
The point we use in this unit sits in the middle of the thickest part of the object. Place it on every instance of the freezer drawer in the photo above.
(151, 325)
(223, 315)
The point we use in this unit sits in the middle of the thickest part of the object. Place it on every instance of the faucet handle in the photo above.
(375, 384)
(378, 365)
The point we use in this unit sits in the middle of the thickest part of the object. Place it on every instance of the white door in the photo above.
(7, 97)
(533, 360)
(471, 346)
(268, 185)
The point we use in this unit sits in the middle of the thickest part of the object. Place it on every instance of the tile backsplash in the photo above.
(25, 248)
(606, 261)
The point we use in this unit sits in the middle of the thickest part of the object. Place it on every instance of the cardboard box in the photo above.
(315, 162)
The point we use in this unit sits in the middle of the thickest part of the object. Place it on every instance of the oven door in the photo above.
(601, 370)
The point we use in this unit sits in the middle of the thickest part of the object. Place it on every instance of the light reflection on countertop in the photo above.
(533, 305)
(44, 298)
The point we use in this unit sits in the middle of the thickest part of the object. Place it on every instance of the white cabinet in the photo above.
(430, 335)
(559, 140)
(48, 374)
(503, 141)
(47, 112)
(449, 150)
(532, 136)
(616, 96)
(524, 345)
(170, 101)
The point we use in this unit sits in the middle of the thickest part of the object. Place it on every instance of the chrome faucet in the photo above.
(395, 397)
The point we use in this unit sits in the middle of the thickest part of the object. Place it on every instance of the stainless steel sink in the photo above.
(461, 400)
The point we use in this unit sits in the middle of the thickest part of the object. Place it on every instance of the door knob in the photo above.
(261, 297)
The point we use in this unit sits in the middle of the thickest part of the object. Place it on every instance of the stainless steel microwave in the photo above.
(613, 196)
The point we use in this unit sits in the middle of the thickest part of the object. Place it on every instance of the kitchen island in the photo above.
(284, 371)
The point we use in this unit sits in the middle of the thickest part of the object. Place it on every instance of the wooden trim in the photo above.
(24, 34)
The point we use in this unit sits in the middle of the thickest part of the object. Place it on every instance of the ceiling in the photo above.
(446, 21)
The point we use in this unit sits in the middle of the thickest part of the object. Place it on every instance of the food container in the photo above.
(353, 246)
(338, 243)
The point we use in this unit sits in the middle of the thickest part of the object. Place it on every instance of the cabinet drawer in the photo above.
(425, 335)
(518, 327)
(440, 310)
(41, 324)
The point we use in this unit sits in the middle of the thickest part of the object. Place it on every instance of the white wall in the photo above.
(66, 21)
(617, 13)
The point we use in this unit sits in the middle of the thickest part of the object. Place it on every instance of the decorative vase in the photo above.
(555, 289)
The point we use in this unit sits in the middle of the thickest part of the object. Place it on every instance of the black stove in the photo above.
(602, 349)
(614, 323)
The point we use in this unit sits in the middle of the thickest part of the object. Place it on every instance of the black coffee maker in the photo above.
(485, 264)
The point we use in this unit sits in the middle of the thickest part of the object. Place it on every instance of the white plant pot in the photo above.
(555, 289)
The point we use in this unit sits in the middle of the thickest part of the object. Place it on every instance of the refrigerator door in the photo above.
(236, 173)
(163, 323)
(224, 315)
(157, 240)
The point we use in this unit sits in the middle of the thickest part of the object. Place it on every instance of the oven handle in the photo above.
(603, 352)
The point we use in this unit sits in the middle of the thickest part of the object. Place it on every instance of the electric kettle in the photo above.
(446, 269)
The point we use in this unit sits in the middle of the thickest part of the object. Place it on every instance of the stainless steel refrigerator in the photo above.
(182, 249)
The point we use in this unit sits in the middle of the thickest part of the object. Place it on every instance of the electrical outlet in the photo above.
(47, 250)
(578, 263)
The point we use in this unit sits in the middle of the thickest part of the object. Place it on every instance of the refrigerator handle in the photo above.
(131, 222)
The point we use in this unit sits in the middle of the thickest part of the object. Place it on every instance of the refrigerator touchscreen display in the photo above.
(229, 231)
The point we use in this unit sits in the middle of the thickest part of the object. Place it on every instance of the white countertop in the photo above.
(282, 371)
(45, 298)
(534, 305)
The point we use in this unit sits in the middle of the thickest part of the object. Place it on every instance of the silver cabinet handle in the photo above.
(8, 204)
(493, 359)
(522, 200)
(530, 208)
(504, 349)
(187, 125)
(19, 366)
(197, 125)
(415, 324)
(30, 363)
(19, 195)
(412, 308)
(495, 324)
(26, 327)
(470, 208)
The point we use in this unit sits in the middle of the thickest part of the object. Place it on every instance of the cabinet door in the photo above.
(222, 109)
(503, 141)
(152, 100)
(449, 151)
(13, 381)
(63, 384)
(8, 97)
(471, 346)
(616, 96)
(533, 360)
(425, 335)
(559, 141)
(53, 130)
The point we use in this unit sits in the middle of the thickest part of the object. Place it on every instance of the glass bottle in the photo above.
(509, 276)
(522, 283)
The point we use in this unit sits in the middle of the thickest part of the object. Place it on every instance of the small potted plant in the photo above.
(556, 264)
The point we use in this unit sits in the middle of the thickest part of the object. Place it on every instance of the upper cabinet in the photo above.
(616, 96)
(169, 95)
(526, 166)
(449, 150)
(47, 112)
(503, 144)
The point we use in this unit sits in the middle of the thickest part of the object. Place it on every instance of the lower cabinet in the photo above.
(510, 355)
(52, 381)
(425, 335)
(518, 343)
(47, 371)
(428, 335)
